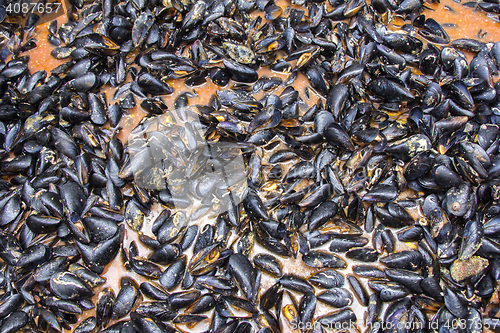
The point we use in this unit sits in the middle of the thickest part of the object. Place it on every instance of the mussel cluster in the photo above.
(389, 181)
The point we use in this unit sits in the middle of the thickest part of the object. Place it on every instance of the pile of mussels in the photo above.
(395, 169)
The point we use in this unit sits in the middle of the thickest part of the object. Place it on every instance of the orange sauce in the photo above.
(460, 21)
(40, 58)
